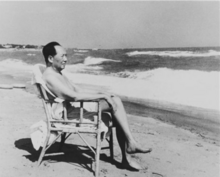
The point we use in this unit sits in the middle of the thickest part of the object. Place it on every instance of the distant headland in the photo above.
(20, 46)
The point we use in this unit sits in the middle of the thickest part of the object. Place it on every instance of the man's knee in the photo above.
(117, 99)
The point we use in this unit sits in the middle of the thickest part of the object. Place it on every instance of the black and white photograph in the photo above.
(110, 88)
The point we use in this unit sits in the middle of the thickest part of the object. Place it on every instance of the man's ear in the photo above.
(50, 59)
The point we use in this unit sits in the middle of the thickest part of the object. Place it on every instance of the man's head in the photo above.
(49, 50)
(55, 55)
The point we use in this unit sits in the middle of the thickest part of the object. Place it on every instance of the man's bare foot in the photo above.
(131, 165)
(132, 149)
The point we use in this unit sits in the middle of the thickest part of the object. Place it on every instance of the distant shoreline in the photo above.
(36, 47)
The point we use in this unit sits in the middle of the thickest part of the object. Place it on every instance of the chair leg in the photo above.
(43, 150)
(111, 145)
(63, 138)
(97, 155)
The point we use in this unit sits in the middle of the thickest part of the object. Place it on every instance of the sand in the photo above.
(179, 148)
(176, 151)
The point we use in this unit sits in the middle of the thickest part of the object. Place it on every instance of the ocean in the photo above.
(133, 63)
(117, 61)
(188, 76)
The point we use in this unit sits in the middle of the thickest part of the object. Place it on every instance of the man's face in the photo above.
(60, 59)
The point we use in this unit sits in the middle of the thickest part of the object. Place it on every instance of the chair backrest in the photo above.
(48, 103)
(38, 71)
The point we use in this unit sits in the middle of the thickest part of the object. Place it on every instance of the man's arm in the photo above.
(64, 91)
(84, 90)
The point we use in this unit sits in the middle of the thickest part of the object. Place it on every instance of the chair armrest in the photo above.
(54, 101)
(70, 121)
(96, 101)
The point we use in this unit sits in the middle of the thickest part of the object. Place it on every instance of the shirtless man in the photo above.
(56, 58)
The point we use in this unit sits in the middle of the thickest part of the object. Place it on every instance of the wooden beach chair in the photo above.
(68, 127)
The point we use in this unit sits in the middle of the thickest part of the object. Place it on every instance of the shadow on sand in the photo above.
(77, 155)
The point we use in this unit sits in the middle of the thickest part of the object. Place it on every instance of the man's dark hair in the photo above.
(49, 50)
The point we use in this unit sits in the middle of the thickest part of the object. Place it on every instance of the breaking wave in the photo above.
(14, 64)
(95, 61)
(165, 74)
(176, 53)
(193, 88)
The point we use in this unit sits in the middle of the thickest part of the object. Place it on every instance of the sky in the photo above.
(106, 24)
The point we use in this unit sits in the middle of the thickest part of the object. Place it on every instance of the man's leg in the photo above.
(127, 162)
(123, 134)
(120, 115)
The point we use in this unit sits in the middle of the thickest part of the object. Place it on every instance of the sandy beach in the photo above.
(162, 58)
(177, 150)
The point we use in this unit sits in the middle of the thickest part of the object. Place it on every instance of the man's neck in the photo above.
(55, 70)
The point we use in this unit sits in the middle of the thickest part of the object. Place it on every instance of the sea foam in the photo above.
(14, 64)
(176, 53)
(80, 67)
(95, 61)
(191, 88)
